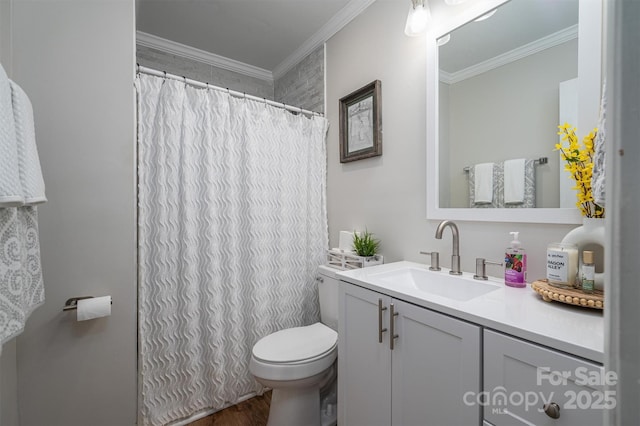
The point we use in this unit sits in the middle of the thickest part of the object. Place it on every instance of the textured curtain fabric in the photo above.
(598, 178)
(21, 285)
(232, 226)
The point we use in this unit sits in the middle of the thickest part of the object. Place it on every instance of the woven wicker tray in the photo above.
(569, 296)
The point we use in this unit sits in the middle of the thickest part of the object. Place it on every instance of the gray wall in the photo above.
(387, 194)
(163, 61)
(303, 85)
(623, 208)
(75, 59)
(9, 385)
(8, 360)
(5, 36)
(524, 95)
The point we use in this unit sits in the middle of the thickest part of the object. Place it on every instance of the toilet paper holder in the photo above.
(72, 303)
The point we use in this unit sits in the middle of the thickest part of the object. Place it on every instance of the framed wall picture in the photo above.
(361, 123)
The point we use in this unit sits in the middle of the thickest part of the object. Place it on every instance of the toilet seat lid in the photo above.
(296, 344)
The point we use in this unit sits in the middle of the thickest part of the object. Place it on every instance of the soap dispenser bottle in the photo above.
(515, 264)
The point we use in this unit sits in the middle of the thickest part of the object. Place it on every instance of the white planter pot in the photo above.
(371, 260)
(341, 259)
(590, 233)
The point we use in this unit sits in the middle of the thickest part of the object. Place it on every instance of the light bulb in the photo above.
(417, 20)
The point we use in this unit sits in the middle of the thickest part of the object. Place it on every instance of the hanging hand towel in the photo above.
(28, 161)
(21, 285)
(483, 183)
(11, 194)
(514, 177)
(599, 156)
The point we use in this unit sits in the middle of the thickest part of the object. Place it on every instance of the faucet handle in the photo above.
(481, 271)
(435, 260)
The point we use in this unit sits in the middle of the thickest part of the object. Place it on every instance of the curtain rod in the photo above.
(200, 84)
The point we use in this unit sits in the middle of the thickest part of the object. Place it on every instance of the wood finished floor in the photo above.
(252, 412)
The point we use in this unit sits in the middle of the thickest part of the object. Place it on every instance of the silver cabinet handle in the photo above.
(380, 329)
(552, 410)
(392, 325)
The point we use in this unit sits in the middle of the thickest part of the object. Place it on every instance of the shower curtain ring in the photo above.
(165, 75)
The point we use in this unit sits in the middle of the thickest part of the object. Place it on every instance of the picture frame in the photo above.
(361, 123)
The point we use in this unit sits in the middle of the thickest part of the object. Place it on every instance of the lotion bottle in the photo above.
(515, 264)
(588, 271)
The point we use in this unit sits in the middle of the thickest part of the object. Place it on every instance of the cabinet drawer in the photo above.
(520, 377)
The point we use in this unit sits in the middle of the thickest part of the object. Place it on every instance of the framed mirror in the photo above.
(497, 85)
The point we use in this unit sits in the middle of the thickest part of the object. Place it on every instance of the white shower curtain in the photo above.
(232, 226)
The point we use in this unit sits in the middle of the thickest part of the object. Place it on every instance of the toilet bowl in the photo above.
(297, 363)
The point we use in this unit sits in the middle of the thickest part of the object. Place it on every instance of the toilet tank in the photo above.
(328, 296)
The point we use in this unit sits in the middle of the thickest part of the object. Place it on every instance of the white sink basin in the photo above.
(437, 283)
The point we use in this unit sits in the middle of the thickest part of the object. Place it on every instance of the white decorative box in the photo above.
(344, 260)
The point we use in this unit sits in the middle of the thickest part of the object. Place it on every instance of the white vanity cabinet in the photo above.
(520, 377)
(417, 378)
(463, 357)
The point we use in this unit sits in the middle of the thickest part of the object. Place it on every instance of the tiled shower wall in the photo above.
(173, 64)
(302, 86)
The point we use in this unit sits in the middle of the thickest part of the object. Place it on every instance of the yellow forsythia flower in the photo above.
(579, 163)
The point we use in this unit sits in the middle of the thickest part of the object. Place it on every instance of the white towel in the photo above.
(21, 285)
(483, 183)
(600, 157)
(28, 161)
(11, 194)
(514, 181)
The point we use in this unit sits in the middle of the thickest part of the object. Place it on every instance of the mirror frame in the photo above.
(590, 31)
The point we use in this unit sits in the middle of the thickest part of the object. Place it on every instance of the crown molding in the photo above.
(536, 46)
(335, 24)
(155, 42)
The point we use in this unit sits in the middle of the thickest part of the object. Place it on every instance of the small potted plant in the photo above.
(366, 247)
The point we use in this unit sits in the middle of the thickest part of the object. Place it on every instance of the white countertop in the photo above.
(520, 312)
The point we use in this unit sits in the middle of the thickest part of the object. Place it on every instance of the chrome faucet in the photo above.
(455, 257)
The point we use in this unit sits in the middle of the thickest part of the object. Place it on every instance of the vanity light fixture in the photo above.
(486, 15)
(417, 19)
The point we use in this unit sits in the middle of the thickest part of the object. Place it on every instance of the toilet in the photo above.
(299, 364)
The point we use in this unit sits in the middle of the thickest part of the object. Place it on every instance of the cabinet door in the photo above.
(520, 377)
(364, 364)
(436, 360)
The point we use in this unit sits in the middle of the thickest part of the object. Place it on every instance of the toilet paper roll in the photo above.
(95, 307)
